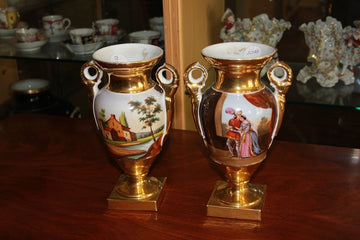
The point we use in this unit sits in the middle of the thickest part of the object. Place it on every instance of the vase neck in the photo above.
(238, 78)
(129, 80)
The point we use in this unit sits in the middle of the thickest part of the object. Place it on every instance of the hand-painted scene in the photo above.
(246, 125)
(134, 128)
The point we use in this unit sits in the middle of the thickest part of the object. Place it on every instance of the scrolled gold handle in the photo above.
(281, 85)
(194, 86)
(91, 81)
(170, 83)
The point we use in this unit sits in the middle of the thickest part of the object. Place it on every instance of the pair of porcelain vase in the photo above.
(237, 118)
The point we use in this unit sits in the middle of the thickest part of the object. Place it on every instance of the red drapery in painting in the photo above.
(263, 99)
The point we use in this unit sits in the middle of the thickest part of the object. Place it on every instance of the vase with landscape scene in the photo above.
(132, 102)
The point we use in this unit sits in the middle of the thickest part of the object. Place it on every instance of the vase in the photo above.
(238, 118)
(133, 114)
(326, 49)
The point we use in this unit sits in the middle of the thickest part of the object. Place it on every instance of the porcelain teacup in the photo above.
(27, 35)
(9, 17)
(108, 26)
(82, 35)
(55, 24)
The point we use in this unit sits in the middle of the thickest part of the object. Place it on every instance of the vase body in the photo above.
(238, 116)
(132, 112)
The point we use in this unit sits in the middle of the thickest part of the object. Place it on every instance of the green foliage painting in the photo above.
(122, 119)
(148, 112)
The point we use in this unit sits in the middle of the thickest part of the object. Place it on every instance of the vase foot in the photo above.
(244, 205)
(118, 201)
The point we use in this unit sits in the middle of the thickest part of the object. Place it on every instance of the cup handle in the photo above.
(66, 23)
(91, 82)
(281, 85)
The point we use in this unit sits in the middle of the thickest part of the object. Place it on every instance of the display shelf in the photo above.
(51, 51)
(311, 93)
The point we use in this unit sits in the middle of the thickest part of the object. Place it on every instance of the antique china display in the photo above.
(27, 34)
(333, 52)
(145, 36)
(109, 29)
(82, 35)
(7, 33)
(157, 24)
(259, 29)
(9, 20)
(34, 95)
(55, 27)
(28, 47)
(86, 48)
(238, 118)
(133, 114)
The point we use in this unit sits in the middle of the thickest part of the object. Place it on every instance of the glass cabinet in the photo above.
(189, 26)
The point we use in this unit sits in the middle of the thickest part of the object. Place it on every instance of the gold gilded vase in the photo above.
(133, 114)
(238, 118)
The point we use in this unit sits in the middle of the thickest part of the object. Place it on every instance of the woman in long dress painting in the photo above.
(249, 145)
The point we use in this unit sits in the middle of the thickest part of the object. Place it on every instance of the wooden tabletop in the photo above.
(55, 177)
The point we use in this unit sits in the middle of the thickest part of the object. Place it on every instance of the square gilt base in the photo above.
(116, 201)
(218, 209)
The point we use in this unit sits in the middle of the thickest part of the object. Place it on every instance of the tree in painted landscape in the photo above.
(148, 112)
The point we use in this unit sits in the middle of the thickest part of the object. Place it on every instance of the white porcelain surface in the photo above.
(7, 33)
(157, 24)
(29, 85)
(84, 48)
(27, 34)
(55, 25)
(238, 50)
(106, 26)
(82, 35)
(146, 36)
(108, 105)
(127, 53)
(28, 46)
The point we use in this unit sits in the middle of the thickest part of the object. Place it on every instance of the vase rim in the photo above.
(127, 53)
(238, 51)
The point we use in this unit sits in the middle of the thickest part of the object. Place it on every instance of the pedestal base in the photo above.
(116, 201)
(217, 209)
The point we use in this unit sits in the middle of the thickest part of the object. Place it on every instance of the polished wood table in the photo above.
(55, 177)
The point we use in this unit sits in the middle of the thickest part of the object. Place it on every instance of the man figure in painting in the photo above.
(249, 145)
(233, 134)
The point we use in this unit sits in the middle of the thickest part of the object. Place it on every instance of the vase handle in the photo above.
(91, 81)
(168, 79)
(169, 83)
(194, 87)
(281, 85)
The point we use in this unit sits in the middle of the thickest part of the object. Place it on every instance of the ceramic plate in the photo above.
(28, 47)
(84, 48)
(7, 33)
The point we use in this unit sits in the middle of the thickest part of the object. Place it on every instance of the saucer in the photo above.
(28, 46)
(84, 48)
(58, 37)
(7, 33)
(113, 39)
